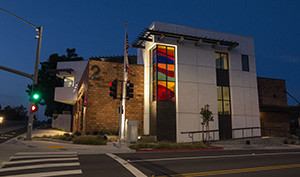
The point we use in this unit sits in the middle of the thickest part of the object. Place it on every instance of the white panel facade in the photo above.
(206, 75)
(187, 56)
(196, 84)
(188, 122)
(187, 73)
(145, 59)
(187, 98)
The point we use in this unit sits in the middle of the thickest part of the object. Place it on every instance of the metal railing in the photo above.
(191, 134)
(213, 138)
(243, 132)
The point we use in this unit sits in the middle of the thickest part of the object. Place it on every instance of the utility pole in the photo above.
(34, 77)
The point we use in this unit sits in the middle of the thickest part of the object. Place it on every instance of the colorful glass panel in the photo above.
(161, 91)
(161, 72)
(154, 91)
(154, 72)
(171, 91)
(170, 73)
(154, 56)
(161, 55)
(170, 55)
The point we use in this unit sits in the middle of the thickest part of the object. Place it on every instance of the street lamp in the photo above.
(34, 77)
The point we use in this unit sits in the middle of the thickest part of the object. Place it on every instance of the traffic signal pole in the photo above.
(34, 77)
(34, 82)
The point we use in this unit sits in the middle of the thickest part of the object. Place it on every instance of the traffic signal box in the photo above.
(129, 90)
(113, 89)
(35, 99)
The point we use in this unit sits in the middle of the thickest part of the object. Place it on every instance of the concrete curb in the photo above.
(174, 150)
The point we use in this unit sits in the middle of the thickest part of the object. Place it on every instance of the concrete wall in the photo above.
(196, 81)
(63, 121)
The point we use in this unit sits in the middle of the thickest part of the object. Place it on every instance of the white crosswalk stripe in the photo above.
(42, 164)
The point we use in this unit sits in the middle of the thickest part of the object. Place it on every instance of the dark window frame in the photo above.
(224, 100)
(222, 63)
(245, 63)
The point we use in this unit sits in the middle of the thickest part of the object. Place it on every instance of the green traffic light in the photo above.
(36, 96)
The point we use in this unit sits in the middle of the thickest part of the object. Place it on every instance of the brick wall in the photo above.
(271, 91)
(274, 118)
(102, 112)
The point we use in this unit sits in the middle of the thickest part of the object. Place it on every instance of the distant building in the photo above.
(275, 114)
(179, 70)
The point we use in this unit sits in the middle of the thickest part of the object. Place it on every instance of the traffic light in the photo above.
(34, 107)
(113, 89)
(129, 90)
(36, 96)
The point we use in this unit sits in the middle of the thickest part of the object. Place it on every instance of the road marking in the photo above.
(45, 153)
(243, 170)
(55, 147)
(39, 166)
(58, 173)
(40, 160)
(128, 166)
(212, 157)
(42, 156)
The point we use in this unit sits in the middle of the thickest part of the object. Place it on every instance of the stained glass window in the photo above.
(163, 59)
(162, 54)
(162, 71)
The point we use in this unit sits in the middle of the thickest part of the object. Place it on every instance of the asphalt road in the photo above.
(10, 129)
(275, 163)
(225, 163)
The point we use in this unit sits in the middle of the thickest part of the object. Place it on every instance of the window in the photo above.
(69, 82)
(163, 73)
(223, 100)
(221, 61)
(245, 63)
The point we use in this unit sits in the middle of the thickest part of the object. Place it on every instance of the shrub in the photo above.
(91, 140)
(77, 133)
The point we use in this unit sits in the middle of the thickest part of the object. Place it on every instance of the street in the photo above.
(249, 163)
(10, 129)
(244, 163)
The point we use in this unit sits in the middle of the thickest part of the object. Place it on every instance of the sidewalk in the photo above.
(255, 144)
(9, 148)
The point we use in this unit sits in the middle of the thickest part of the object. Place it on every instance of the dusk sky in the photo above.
(96, 28)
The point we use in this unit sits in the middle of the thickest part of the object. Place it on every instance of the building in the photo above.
(179, 70)
(71, 73)
(275, 114)
(93, 109)
(186, 68)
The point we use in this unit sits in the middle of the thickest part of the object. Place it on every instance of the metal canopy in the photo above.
(57, 71)
(145, 36)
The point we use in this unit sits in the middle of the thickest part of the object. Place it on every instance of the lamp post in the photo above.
(36, 70)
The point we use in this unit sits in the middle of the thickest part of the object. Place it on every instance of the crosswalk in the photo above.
(42, 164)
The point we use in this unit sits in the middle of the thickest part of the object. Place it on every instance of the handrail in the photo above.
(191, 133)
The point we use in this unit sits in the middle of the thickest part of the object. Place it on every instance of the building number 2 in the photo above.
(97, 71)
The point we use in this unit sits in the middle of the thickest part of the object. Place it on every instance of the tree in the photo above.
(207, 116)
(14, 113)
(47, 81)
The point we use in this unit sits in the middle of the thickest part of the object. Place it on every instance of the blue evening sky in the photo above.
(96, 28)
